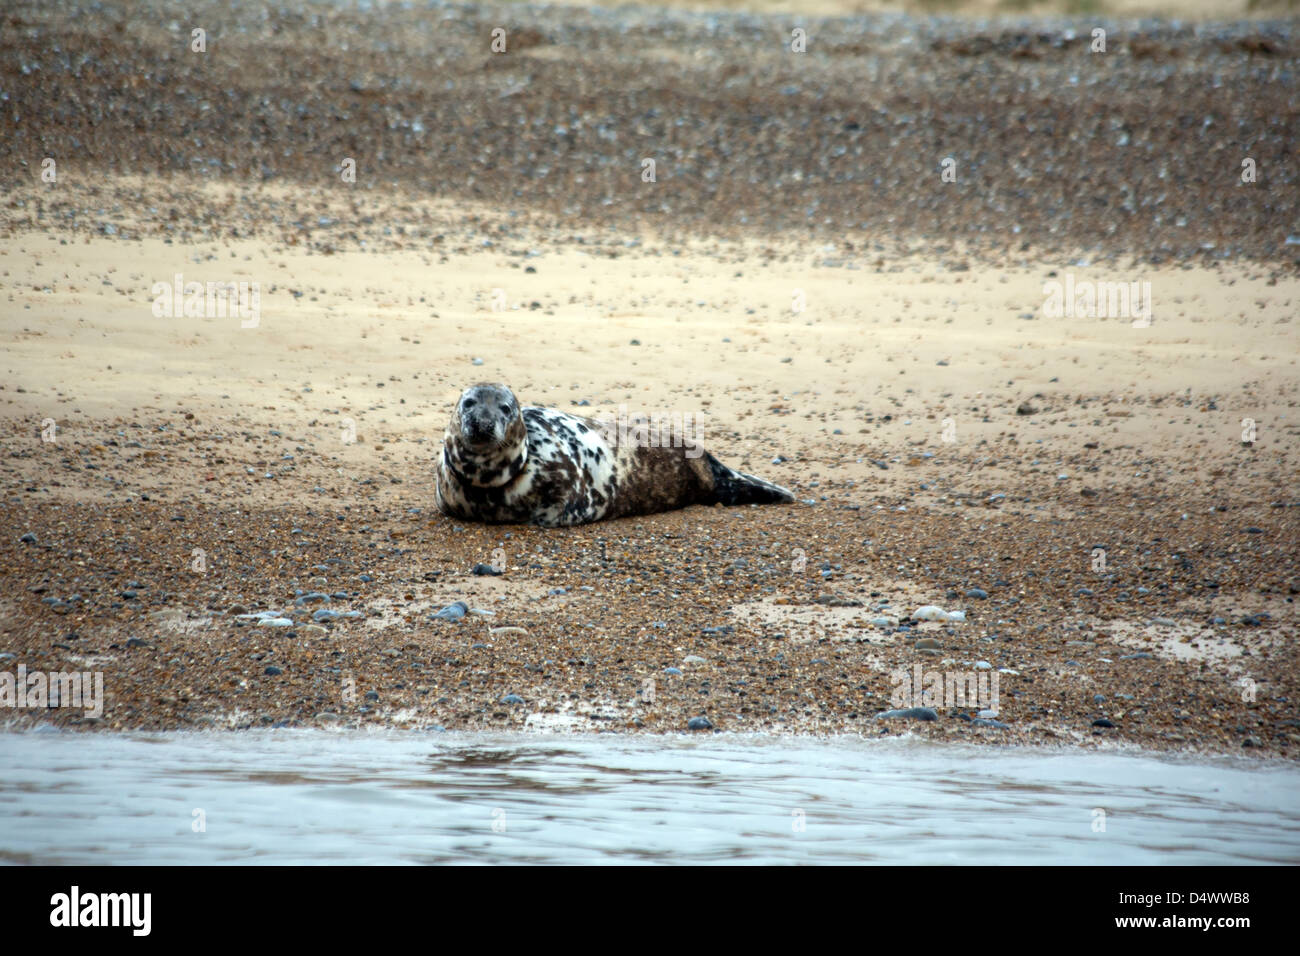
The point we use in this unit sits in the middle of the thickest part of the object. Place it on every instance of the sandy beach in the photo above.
(1109, 498)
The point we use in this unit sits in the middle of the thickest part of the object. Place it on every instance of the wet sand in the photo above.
(943, 431)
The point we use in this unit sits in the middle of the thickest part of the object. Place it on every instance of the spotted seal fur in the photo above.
(506, 463)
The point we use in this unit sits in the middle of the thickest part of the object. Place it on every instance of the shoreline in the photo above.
(167, 431)
(1111, 503)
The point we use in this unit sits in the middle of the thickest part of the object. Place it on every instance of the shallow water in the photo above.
(392, 797)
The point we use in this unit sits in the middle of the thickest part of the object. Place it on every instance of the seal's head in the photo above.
(487, 441)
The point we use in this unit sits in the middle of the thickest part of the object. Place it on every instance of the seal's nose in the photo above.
(478, 430)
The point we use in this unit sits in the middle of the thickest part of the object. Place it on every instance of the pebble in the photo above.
(28, 538)
(482, 570)
(273, 671)
(694, 659)
(1102, 722)
(932, 612)
(512, 699)
(988, 722)
(912, 713)
(313, 597)
(978, 594)
(699, 723)
(452, 612)
(675, 672)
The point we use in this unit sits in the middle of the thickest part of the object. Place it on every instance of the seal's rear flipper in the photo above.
(737, 488)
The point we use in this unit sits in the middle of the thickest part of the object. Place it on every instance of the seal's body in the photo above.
(501, 463)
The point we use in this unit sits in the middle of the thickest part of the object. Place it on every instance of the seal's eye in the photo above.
(507, 409)
(468, 403)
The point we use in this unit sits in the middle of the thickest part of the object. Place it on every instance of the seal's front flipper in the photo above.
(732, 487)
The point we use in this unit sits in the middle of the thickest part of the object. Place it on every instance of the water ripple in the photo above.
(308, 797)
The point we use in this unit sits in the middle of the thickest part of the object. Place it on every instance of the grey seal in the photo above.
(506, 463)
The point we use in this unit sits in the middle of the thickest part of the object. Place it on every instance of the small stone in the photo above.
(932, 612)
(978, 594)
(675, 672)
(512, 699)
(273, 671)
(699, 723)
(911, 713)
(28, 538)
(1102, 722)
(452, 612)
